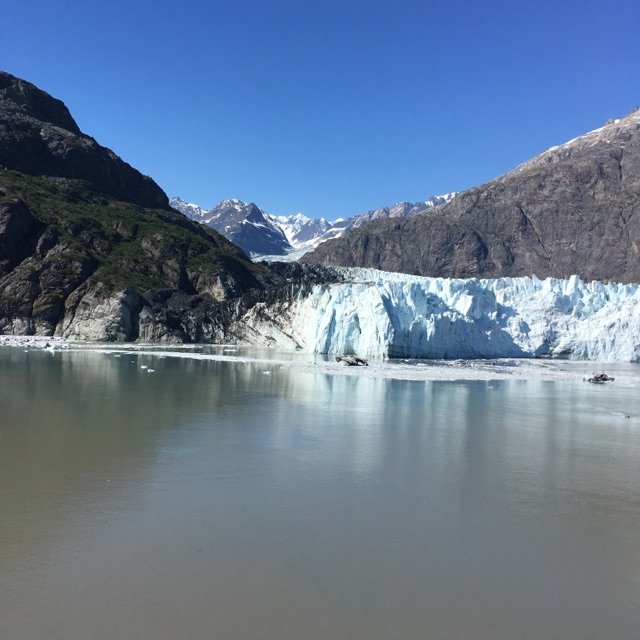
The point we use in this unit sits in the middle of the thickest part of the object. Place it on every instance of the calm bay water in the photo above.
(241, 500)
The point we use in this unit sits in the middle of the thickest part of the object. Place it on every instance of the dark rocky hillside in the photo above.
(38, 136)
(89, 247)
(574, 209)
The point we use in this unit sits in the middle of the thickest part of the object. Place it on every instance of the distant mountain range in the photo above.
(263, 235)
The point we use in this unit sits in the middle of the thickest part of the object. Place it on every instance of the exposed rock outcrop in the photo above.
(20, 234)
(172, 316)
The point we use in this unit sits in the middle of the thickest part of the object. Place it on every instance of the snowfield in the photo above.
(380, 314)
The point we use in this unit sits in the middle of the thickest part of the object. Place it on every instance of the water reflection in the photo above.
(263, 502)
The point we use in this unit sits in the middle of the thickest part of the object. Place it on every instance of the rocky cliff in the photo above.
(89, 247)
(574, 209)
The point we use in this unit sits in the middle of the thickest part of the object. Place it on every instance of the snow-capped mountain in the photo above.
(399, 210)
(267, 236)
(376, 313)
(191, 210)
(243, 223)
(300, 229)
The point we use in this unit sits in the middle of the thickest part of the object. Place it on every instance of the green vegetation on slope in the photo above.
(123, 245)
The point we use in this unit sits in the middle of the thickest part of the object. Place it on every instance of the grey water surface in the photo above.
(243, 500)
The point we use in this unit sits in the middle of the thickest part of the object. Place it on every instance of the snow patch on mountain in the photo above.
(300, 229)
(241, 222)
(611, 129)
(189, 209)
(288, 237)
(384, 314)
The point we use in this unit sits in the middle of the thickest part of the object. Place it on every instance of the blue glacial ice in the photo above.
(385, 314)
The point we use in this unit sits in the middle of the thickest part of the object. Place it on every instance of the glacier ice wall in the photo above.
(384, 314)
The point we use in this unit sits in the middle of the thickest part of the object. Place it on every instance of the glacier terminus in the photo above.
(381, 314)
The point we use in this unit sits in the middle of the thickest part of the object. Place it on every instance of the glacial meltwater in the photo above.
(267, 499)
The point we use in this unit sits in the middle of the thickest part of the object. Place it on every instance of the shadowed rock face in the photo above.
(246, 225)
(38, 136)
(20, 233)
(574, 209)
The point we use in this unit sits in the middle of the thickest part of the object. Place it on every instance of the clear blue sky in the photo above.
(330, 108)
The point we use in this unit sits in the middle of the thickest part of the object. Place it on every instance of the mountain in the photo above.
(90, 248)
(38, 136)
(574, 209)
(300, 230)
(399, 210)
(243, 223)
(263, 235)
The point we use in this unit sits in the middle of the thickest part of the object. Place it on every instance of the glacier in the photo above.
(391, 315)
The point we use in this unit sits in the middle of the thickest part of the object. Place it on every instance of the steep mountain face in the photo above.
(78, 263)
(89, 248)
(189, 209)
(38, 136)
(574, 209)
(243, 223)
(300, 229)
(248, 227)
(287, 237)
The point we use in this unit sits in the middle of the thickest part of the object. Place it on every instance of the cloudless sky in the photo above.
(330, 108)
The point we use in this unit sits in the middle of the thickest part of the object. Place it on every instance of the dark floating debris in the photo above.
(599, 378)
(352, 361)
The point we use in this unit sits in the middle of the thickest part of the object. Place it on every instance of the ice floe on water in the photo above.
(271, 361)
